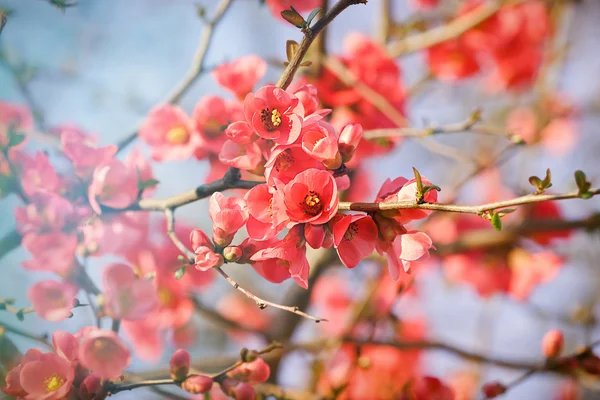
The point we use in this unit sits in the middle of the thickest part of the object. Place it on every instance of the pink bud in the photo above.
(552, 343)
(232, 253)
(254, 372)
(92, 389)
(197, 384)
(349, 139)
(198, 239)
(493, 389)
(238, 390)
(180, 365)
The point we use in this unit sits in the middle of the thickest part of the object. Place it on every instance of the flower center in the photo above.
(53, 383)
(178, 135)
(271, 119)
(284, 160)
(351, 231)
(312, 204)
(165, 296)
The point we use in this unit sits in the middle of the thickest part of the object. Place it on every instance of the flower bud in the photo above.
(180, 365)
(493, 389)
(552, 343)
(91, 388)
(334, 163)
(349, 139)
(196, 384)
(254, 372)
(238, 390)
(232, 253)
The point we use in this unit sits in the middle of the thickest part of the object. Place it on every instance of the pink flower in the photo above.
(243, 156)
(405, 248)
(49, 377)
(424, 4)
(238, 390)
(267, 216)
(277, 6)
(401, 189)
(83, 152)
(228, 215)
(114, 185)
(241, 132)
(553, 343)
(241, 75)
(529, 270)
(452, 60)
(354, 238)
(320, 142)
(285, 162)
(308, 96)
(13, 378)
(53, 252)
(197, 384)
(311, 197)
(254, 372)
(53, 300)
(274, 114)
(39, 175)
(145, 338)
(170, 132)
(179, 365)
(290, 254)
(46, 212)
(318, 236)
(135, 160)
(127, 296)
(349, 139)
(65, 345)
(206, 258)
(91, 388)
(211, 116)
(104, 353)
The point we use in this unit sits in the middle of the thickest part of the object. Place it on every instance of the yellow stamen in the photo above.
(178, 135)
(53, 383)
(165, 296)
(276, 117)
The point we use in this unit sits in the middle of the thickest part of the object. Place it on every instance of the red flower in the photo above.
(354, 238)
(311, 197)
(241, 75)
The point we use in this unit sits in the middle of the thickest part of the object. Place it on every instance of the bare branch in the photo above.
(3, 19)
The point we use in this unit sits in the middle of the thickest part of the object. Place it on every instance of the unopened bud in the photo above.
(196, 384)
(552, 343)
(334, 163)
(232, 253)
(493, 389)
(349, 139)
(238, 390)
(180, 365)
(91, 388)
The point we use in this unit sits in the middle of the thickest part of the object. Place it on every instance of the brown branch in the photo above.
(310, 33)
(3, 19)
(480, 209)
(43, 339)
(385, 22)
(195, 70)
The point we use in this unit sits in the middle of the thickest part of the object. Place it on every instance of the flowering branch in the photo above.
(310, 33)
(481, 209)
(195, 70)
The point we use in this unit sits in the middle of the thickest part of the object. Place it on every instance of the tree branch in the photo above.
(403, 205)
(310, 33)
(3, 19)
(195, 70)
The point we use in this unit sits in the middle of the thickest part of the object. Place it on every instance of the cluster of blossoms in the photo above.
(76, 368)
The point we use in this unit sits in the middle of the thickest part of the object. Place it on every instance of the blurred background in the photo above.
(102, 65)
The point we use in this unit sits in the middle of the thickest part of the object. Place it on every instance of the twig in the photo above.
(195, 70)
(3, 19)
(310, 33)
(7, 305)
(9, 242)
(41, 339)
(385, 22)
(409, 204)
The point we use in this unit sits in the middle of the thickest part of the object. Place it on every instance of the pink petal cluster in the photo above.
(128, 297)
(53, 300)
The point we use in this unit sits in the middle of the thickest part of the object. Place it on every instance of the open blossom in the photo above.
(320, 142)
(53, 300)
(274, 114)
(170, 132)
(127, 296)
(266, 211)
(354, 237)
(241, 132)
(253, 372)
(104, 353)
(285, 162)
(277, 6)
(308, 96)
(403, 249)
(241, 75)
(228, 215)
(287, 254)
(243, 156)
(211, 116)
(401, 189)
(39, 175)
(83, 151)
(46, 212)
(16, 115)
(311, 197)
(452, 60)
(114, 185)
(52, 252)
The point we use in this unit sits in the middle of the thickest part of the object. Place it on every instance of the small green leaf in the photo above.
(419, 182)
(20, 315)
(15, 138)
(293, 17)
(312, 15)
(536, 183)
(496, 221)
(547, 180)
(180, 272)
(147, 184)
(429, 188)
(181, 258)
(580, 178)
(587, 195)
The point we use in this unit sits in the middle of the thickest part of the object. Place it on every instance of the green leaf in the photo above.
(147, 184)
(580, 178)
(180, 272)
(587, 195)
(546, 183)
(429, 188)
(496, 221)
(583, 185)
(536, 183)
(20, 315)
(15, 138)
(293, 17)
(312, 15)
(419, 182)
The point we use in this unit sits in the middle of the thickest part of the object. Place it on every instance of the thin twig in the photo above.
(478, 209)
(195, 70)
(310, 33)
(3, 19)
(38, 338)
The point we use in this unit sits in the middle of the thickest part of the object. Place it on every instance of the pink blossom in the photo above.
(354, 238)
(241, 75)
(65, 345)
(114, 185)
(145, 338)
(241, 132)
(135, 160)
(243, 156)
(127, 296)
(349, 139)
(238, 390)
(38, 175)
(47, 378)
(274, 114)
(197, 384)
(452, 60)
(285, 162)
(404, 249)
(253, 372)
(206, 258)
(311, 197)
(17, 116)
(53, 252)
(529, 270)
(46, 212)
(401, 189)
(91, 388)
(290, 254)
(228, 215)
(308, 96)
(211, 116)
(179, 365)
(170, 132)
(320, 142)
(83, 152)
(53, 300)
(318, 236)
(277, 6)
(553, 343)
(267, 216)
(104, 353)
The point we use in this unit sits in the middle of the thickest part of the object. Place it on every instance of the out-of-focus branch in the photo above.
(480, 209)
(7, 305)
(9, 242)
(385, 22)
(310, 33)
(261, 303)
(38, 338)
(195, 70)
(3, 19)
